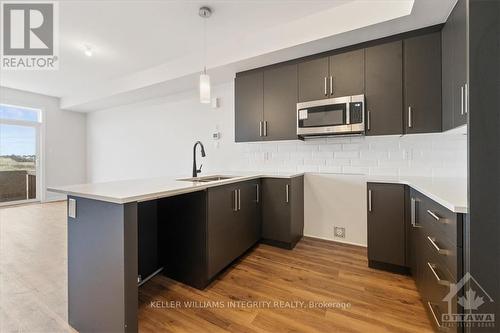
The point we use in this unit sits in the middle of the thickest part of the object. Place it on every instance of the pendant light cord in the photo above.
(205, 45)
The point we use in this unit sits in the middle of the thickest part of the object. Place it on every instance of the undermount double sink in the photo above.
(206, 179)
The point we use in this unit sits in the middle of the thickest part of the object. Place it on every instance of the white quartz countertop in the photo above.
(448, 192)
(125, 191)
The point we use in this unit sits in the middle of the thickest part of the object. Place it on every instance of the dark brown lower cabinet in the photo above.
(201, 233)
(282, 211)
(431, 238)
(386, 226)
(233, 224)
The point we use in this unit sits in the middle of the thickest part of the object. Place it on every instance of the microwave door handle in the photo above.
(347, 114)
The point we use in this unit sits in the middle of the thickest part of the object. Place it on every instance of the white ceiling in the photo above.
(148, 48)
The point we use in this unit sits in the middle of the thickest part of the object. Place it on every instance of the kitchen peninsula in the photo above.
(121, 233)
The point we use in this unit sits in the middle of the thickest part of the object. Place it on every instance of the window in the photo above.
(18, 113)
(19, 151)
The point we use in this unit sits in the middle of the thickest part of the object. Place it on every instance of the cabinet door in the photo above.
(347, 72)
(447, 85)
(313, 80)
(384, 89)
(422, 84)
(459, 56)
(276, 210)
(280, 103)
(386, 223)
(249, 106)
(249, 214)
(296, 198)
(223, 229)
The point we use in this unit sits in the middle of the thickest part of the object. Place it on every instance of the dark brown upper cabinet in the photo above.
(422, 84)
(335, 76)
(347, 74)
(386, 224)
(280, 103)
(313, 79)
(401, 79)
(384, 89)
(249, 106)
(454, 86)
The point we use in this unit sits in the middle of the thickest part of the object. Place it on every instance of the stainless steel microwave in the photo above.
(333, 116)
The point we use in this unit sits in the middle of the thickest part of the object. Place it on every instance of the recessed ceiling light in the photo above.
(88, 51)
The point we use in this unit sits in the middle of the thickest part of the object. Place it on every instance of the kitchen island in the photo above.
(191, 228)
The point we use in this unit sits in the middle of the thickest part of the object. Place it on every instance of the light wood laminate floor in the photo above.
(33, 277)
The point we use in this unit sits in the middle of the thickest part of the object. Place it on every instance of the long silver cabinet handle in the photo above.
(413, 213)
(331, 85)
(260, 128)
(369, 200)
(368, 120)
(287, 193)
(326, 91)
(431, 213)
(257, 195)
(235, 200)
(432, 267)
(462, 100)
(466, 98)
(265, 127)
(436, 247)
(438, 324)
(410, 120)
(239, 199)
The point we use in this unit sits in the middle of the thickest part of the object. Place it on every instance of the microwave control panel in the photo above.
(356, 112)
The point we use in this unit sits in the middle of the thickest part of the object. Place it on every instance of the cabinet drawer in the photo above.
(436, 287)
(441, 221)
(441, 251)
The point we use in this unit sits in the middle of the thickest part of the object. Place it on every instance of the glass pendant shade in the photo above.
(204, 88)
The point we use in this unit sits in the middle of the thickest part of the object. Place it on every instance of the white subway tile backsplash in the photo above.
(330, 169)
(322, 154)
(439, 155)
(270, 148)
(394, 164)
(288, 147)
(355, 170)
(365, 163)
(339, 161)
(330, 147)
(346, 154)
(315, 161)
(383, 171)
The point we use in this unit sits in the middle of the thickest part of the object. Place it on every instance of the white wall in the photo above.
(156, 138)
(63, 146)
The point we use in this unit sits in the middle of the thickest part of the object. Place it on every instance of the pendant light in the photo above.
(205, 13)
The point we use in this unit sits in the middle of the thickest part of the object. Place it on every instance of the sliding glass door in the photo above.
(19, 154)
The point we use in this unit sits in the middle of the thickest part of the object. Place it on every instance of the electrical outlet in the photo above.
(339, 232)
